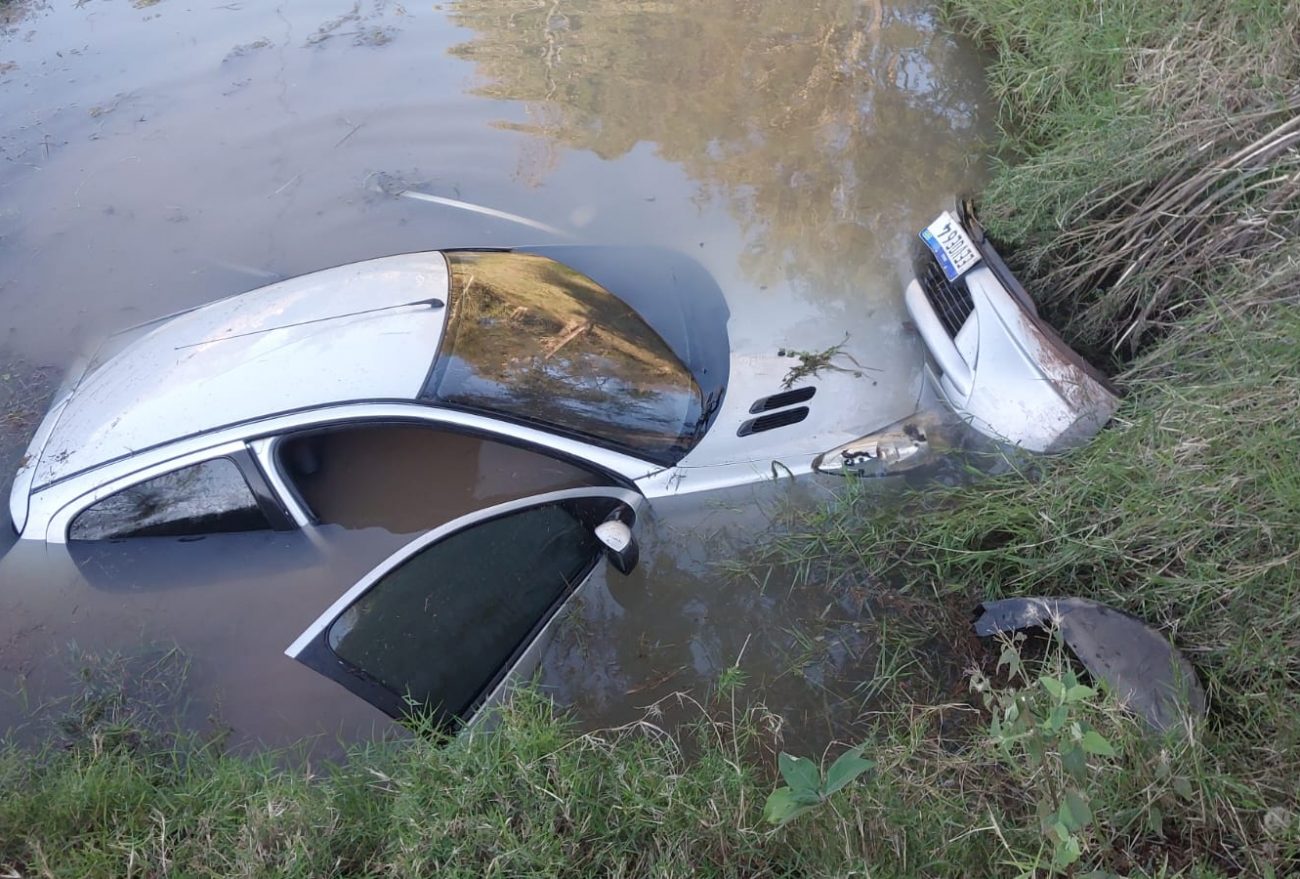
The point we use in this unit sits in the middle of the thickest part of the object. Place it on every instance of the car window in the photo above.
(407, 478)
(207, 498)
(442, 626)
(531, 339)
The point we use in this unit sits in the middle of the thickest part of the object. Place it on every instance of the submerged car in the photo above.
(506, 406)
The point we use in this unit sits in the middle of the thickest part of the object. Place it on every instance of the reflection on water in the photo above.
(822, 647)
(821, 128)
(155, 156)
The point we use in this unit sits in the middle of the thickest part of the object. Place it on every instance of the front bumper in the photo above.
(996, 363)
(993, 366)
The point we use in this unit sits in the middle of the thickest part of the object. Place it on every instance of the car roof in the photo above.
(367, 330)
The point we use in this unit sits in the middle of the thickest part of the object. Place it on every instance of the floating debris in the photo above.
(812, 363)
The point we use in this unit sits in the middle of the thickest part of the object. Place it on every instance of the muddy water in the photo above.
(160, 154)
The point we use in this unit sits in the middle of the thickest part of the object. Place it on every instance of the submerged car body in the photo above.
(507, 407)
(383, 339)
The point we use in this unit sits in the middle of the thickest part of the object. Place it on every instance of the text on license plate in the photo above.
(950, 245)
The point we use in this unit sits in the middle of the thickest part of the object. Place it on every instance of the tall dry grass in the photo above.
(1150, 148)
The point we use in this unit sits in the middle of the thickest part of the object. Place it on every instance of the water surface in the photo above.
(158, 155)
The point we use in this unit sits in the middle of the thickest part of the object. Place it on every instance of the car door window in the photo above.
(406, 477)
(207, 498)
(443, 626)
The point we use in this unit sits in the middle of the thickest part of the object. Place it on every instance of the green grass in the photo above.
(1185, 513)
(533, 797)
(1158, 249)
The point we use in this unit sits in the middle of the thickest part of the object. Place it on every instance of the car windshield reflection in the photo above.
(533, 340)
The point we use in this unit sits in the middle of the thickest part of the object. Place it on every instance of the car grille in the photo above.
(951, 301)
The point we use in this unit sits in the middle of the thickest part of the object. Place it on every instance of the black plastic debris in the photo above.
(1145, 671)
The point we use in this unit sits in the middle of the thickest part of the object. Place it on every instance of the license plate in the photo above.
(951, 246)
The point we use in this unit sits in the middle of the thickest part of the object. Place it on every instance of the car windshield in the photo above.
(534, 341)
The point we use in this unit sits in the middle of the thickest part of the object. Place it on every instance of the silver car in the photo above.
(510, 410)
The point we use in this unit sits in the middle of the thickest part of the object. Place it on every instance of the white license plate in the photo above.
(951, 246)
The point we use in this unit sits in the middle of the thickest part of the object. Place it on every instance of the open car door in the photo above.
(446, 621)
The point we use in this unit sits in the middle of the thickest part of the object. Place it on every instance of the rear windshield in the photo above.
(532, 340)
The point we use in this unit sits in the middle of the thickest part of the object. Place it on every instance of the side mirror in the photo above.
(620, 546)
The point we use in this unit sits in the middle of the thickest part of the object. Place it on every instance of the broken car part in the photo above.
(1145, 671)
(899, 448)
(994, 361)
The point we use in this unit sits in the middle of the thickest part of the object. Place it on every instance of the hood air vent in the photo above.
(773, 421)
(785, 398)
